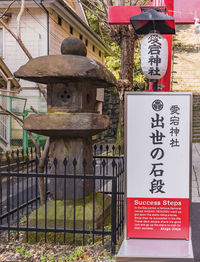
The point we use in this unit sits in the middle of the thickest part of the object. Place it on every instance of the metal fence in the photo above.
(97, 215)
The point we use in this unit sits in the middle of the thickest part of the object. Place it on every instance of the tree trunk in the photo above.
(127, 40)
(125, 83)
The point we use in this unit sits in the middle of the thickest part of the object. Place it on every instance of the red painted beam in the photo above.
(121, 14)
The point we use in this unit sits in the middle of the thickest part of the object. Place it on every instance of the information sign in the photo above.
(158, 162)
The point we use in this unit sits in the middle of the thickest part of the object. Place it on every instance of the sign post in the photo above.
(158, 186)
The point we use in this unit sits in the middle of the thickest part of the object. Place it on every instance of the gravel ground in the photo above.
(17, 250)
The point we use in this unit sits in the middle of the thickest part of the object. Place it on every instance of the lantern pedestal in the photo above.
(152, 250)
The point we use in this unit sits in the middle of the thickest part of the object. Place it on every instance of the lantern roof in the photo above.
(153, 21)
(71, 65)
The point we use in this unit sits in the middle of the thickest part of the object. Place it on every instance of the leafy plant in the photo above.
(75, 255)
(23, 219)
(47, 258)
(22, 251)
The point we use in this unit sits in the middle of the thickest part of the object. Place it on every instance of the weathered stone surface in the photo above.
(64, 68)
(71, 148)
(111, 108)
(66, 124)
(71, 97)
(73, 46)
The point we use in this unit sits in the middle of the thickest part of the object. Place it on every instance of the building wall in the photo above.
(33, 35)
(60, 32)
(186, 60)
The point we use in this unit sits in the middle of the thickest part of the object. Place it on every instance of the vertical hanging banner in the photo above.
(158, 162)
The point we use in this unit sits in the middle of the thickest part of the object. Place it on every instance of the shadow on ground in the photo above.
(195, 222)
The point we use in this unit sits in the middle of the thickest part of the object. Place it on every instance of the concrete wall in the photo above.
(186, 60)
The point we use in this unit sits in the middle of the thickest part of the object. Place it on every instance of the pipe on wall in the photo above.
(47, 12)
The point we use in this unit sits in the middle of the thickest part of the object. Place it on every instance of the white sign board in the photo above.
(158, 141)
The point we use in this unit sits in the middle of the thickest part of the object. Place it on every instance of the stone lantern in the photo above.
(72, 119)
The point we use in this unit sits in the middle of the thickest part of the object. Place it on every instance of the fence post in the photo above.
(113, 214)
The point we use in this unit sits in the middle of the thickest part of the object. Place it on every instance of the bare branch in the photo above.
(105, 7)
(21, 123)
(17, 118)
(44, 155)
(7, 8)
(28, 54)
(34, 110)
(43, 90)
(94, 5)
(89, 9)
(35, 144)
(101, 32)
(17, 39)
(110, 2)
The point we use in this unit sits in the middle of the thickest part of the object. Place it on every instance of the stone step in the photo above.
(196, 140)
(196, 132)
(196, 119)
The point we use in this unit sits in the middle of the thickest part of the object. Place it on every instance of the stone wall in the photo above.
(111, 108)
(186, 60)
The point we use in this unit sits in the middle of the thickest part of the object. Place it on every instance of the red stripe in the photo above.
(158, 218)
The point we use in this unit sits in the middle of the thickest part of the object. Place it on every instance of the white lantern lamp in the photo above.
(154, 47)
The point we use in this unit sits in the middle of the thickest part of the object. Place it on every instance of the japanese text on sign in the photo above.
(157, 154)
(174, 123)
(154, 47)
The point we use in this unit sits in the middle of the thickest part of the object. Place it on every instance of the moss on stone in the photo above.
(69, 221)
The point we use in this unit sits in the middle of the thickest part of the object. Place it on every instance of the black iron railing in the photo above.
(97, 215)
